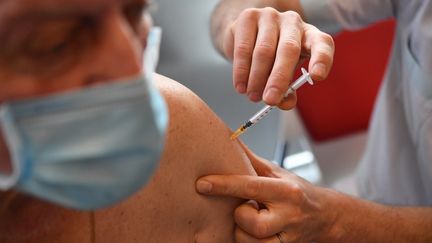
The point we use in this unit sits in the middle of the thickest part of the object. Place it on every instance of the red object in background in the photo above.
(342, 104)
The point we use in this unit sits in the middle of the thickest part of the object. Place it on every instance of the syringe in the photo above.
(265, 110)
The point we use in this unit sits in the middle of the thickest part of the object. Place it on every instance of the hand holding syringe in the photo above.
(265, 110)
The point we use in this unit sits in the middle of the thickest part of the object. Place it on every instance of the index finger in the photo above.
(246, 29)
(321, 47)
(261, 189)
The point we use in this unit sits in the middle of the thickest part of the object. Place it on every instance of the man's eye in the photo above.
(49, 45)
(42, 41)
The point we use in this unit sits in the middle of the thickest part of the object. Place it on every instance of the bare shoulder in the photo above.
(197, 144)
(195, 127)
(170, 87)
(182, 102)
(174, 91)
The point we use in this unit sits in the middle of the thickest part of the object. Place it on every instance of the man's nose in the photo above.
(118, 52)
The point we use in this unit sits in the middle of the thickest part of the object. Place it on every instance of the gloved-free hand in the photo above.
(266, 46)
(290, 208)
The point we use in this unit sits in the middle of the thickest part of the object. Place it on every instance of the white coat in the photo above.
(397, 165)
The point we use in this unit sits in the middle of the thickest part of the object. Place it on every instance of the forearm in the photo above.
(357, 220)
(228, 10)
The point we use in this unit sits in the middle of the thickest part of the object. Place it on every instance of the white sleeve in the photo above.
(332, 15)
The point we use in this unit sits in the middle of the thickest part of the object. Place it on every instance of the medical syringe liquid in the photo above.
(305, 78)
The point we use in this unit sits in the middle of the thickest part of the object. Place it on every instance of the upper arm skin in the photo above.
(168, 209)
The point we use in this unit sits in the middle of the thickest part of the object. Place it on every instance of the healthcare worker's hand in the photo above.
(290, 207)
(266, 46)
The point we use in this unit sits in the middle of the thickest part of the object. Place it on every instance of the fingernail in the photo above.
(204, 186)
(273, 96)
(319, 70)
(254, 96)
(241, 88)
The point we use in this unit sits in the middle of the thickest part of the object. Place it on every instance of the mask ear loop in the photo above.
(151, 53)
(12, 142)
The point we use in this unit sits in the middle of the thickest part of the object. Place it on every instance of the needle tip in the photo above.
(237, 133)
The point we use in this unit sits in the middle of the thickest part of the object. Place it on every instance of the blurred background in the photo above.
(324, 137)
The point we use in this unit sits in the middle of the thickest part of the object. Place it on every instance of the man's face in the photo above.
(49, 46)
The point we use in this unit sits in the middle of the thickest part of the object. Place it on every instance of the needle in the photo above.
(305, 78)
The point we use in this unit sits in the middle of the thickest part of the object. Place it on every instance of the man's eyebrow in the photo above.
(54, 7)
(13, 10)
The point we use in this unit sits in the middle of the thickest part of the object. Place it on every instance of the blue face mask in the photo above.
(86, 149)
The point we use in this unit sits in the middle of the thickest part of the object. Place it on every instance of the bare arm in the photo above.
(169, 209)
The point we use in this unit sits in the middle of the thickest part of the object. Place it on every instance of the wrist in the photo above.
(332, 215)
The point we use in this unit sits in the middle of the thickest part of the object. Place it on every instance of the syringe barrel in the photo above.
(299, 82)
(260, 114)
